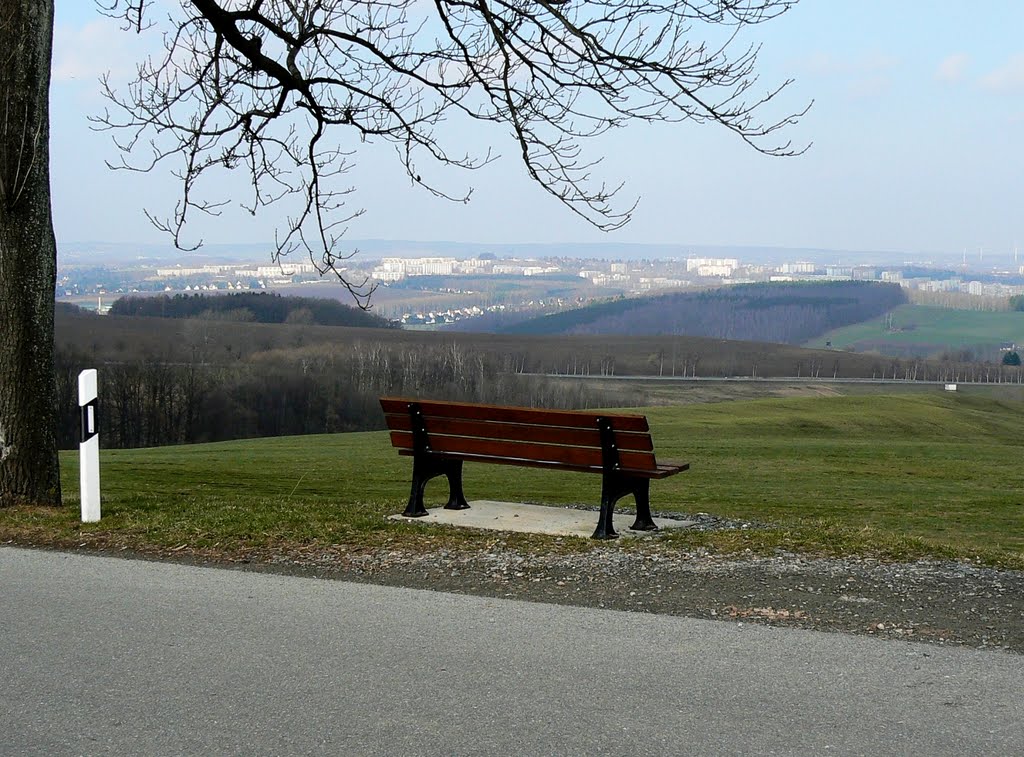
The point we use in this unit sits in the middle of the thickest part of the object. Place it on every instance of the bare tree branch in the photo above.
(269, 86)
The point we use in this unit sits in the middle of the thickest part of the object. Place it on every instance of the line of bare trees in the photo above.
(313, 389)
(960, 301)
(962, 366)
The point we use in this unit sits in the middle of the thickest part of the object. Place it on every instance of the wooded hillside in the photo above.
(172, 380)
(250, 307)
(787, 313)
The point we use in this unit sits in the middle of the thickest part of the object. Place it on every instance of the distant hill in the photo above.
(250, 307)
(931, 332)
(786, 313)
(100, 252)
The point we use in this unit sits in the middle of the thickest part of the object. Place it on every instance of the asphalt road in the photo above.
(101, 655)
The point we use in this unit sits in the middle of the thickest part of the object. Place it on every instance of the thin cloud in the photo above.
(866, 76)
(1007, 78)
(868, 87)
(953, 69)
(85, 53)
(829, 65)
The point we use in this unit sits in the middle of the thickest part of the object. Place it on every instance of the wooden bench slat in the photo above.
(666, 469)
(529, 415)
(577, 437)
(586, 457)
(656, 473)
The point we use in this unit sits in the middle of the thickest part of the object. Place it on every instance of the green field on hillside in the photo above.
(890, 475)
(928, 331)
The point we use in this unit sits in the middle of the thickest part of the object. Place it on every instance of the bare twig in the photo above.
(264, 85)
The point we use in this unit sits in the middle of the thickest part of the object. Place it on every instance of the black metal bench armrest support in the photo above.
(426, 466)
(615, 484)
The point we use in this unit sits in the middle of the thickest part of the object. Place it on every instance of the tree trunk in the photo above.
(29, 470)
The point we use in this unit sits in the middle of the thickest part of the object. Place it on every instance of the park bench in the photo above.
(440, 436)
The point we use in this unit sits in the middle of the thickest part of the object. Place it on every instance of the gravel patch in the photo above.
(700, 521)
(930, 601)
(938, 602)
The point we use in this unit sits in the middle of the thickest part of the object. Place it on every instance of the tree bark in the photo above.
(29, 468)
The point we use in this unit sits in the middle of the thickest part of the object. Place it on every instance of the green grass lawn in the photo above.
(934, 328)
(896, 476)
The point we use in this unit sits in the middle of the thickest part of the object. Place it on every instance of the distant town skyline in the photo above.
(916, 128)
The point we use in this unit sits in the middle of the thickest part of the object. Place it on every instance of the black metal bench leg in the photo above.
(424, 468)
(456, 498)
(421, 474)
(612, 490)
(605, 529)
(642, 494)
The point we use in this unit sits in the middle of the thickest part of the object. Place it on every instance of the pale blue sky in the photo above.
(918, 129)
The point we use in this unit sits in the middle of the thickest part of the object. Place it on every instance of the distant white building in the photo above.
(715, 271)
(394, 269)
(798, 267)
(285, 269)
(712, 264)
(647, 284)
(430, 266)
(864, 273)
(473, 265)
(206, 270)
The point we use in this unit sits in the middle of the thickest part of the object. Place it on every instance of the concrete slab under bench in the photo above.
(534, 519)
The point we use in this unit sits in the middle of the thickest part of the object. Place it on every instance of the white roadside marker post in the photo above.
(89, 449)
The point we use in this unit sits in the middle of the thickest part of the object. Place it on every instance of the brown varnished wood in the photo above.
(661, 471)
(526, 415)
(520, 432)
(585, 457)
(557, 439)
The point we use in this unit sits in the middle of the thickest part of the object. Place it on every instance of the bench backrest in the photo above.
(528, 436)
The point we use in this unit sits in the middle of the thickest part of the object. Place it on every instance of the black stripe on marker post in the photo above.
(90, 422)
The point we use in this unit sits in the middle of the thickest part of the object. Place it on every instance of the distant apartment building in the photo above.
(618, 268)
(864, 273)
(285, 269)
(934, 285)
(798, 267)
(389, 269)
(473, 265)
(507, 270)
(839, 271)
(648, 284)
(992, 289)
(715, 267)
(430, 266)
(206, 270)
(395, 269)
(715, 271)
